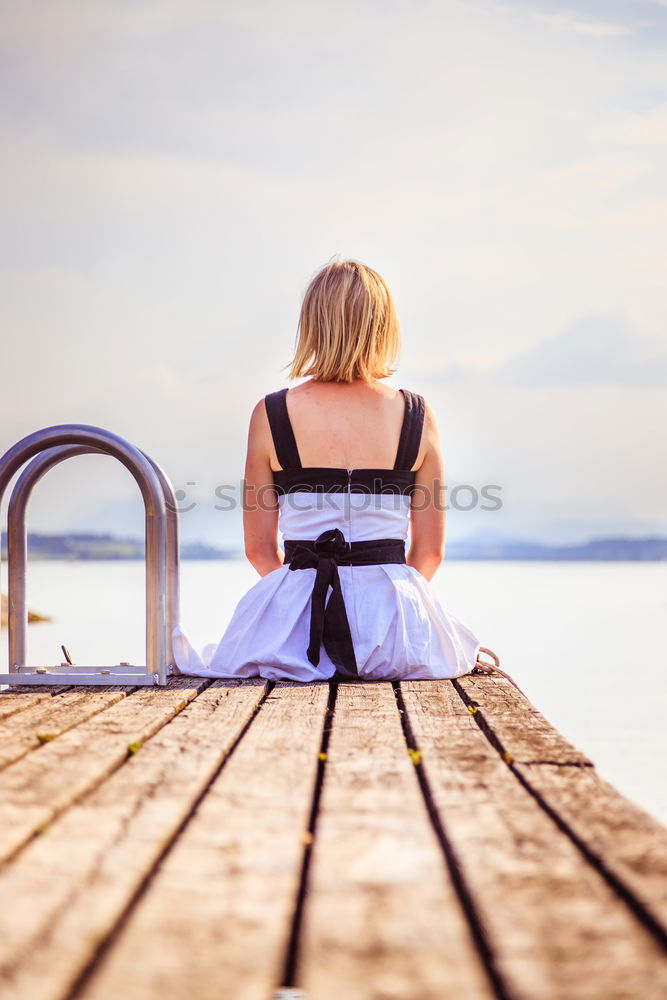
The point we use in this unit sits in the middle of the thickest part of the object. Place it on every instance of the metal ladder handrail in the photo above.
(53, 445)
(17, 545)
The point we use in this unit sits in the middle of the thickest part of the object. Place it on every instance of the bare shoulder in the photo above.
(258, 415)
(258, 412)
(259, 428)
(430, 420)
(429, 446)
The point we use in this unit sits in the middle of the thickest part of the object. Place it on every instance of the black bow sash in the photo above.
(329, 624)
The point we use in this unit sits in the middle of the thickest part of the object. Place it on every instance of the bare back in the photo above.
(346, 425)
(339, 425)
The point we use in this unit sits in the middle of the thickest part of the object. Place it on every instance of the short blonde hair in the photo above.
(348, 327)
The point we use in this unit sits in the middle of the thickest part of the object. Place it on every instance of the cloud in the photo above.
(566, 21)
(649, 127)
(594, 350)
(602, 174)
(638, 21)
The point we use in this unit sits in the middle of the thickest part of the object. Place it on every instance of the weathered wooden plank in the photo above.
(220, 904)
(12, 702)
(381, 917)
(50, 718)
(555, 927)
(65, 892)
(518, 725)
(625, 840)
(38, 787)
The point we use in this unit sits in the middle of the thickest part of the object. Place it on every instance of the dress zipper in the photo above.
(349, 504)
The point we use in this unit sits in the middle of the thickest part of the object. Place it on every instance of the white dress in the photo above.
(397, 626)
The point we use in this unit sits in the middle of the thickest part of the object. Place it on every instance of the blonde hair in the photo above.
(348, 327)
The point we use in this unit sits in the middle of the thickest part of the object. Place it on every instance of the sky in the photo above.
(174, 172)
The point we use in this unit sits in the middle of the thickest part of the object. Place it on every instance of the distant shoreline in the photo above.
(89, 546)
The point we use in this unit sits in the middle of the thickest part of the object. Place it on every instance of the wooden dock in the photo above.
(428, 840)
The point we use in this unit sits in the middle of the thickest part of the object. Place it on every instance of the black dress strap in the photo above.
(411, 431)
(281, 429)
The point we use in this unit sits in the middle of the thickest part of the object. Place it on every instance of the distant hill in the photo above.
(94, 546)
(98, 546)
(595, 549)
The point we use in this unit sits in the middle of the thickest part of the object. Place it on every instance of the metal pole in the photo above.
(173, 610)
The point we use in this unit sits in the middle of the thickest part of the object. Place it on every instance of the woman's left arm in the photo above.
(260, 503)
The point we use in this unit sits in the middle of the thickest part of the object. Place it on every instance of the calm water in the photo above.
(582, 639)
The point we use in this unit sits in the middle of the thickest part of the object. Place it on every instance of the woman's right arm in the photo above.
(427, 509)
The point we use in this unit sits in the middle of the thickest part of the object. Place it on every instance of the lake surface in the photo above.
(583, 640)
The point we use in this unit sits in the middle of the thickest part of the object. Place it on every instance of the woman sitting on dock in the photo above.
(343, 465)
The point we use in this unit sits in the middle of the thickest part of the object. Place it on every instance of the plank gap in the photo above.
(616, 884)
(289, 978)
(462, 890)
(554, 763)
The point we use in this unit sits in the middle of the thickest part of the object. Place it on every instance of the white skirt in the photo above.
(399, 629)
